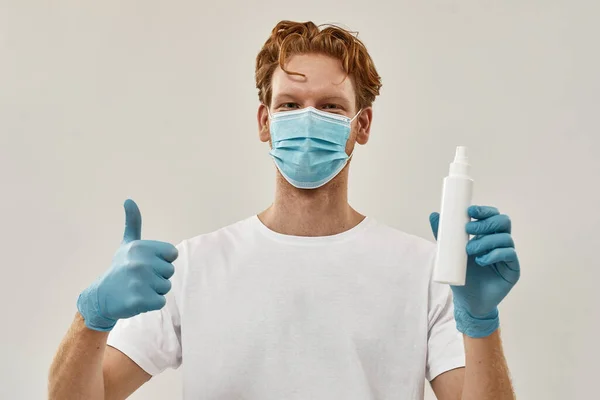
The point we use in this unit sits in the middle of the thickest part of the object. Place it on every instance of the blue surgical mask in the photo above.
(309, 146)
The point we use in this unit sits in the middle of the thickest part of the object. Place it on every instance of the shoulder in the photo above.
(410, 256)
(385, 236)
(217, 240)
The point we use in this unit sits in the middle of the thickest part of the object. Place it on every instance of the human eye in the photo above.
(289, 106)
(332, 107)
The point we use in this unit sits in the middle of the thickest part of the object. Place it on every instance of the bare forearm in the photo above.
(486, 373)
(76, 371)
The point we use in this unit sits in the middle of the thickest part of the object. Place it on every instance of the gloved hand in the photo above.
(135, 283)
(492, 271)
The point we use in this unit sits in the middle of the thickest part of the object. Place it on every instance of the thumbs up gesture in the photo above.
(136, 282)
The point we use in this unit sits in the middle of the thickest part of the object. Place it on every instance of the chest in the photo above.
(254, 322)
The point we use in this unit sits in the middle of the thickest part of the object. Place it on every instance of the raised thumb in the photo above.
(133, 222)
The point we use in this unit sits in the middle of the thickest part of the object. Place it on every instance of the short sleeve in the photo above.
(153, 339)
(445, 345)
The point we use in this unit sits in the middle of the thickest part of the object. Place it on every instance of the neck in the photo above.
(311, 212)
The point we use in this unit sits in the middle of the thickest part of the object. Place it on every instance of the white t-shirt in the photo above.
(254, 314)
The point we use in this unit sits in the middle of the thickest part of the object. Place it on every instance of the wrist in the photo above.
(476, 326)
(88, 307)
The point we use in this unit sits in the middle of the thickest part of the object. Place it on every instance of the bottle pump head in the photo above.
(461, 154)
(460, 166)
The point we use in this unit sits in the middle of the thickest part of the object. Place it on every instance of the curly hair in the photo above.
(289, 38)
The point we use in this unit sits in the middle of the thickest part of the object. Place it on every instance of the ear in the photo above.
(363, 122)
(263, 123)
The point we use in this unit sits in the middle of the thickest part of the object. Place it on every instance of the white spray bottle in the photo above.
(451, 258)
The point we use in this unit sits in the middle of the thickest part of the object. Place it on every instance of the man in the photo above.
(308, 299)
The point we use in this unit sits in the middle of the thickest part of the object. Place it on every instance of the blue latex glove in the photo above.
(492, 271)
(135, 283)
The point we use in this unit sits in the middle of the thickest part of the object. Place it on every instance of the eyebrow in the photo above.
(327, 98)
(337, 99)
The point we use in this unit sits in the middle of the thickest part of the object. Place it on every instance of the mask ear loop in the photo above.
(353, 118)
(357, 114)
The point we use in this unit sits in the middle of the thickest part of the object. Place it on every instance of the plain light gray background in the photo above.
(155, 100)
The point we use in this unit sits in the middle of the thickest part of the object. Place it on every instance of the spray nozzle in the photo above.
(461, 155)
(460, 165)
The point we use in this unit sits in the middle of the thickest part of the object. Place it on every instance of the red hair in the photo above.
(289, 38)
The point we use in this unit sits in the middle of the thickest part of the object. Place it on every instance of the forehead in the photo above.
(324, 76)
